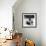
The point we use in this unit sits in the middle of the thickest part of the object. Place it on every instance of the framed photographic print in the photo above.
(29, 20)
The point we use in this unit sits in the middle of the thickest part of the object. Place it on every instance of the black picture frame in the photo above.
(29, 20)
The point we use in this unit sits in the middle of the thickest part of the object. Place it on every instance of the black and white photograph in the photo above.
(29, 20)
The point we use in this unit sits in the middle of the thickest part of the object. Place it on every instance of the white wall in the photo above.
(43, 22)
(32, 6)
(28, 6)
(6, 13)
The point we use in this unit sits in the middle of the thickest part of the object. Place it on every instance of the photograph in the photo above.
(29, 20)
